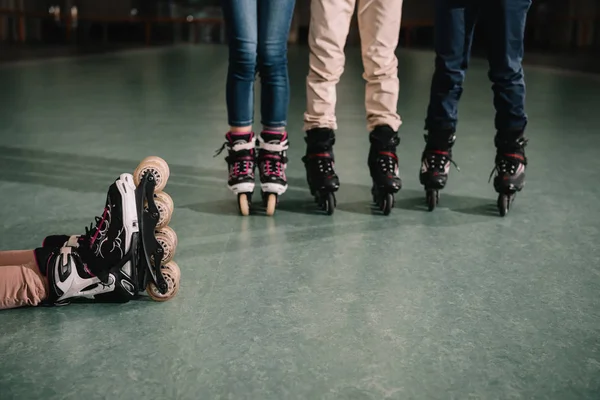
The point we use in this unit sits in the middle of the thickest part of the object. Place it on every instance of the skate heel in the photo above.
(157, 272)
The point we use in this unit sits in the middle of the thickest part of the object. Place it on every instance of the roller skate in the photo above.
(509, 169)
(383, 165)
(115, 259)
(435, 165)
(272, 162)
(320, 168)
(241, 164)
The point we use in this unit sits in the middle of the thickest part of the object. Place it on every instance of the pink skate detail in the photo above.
(99, 226)
(231, 135)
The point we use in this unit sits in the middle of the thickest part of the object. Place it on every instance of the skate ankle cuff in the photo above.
(272, 147)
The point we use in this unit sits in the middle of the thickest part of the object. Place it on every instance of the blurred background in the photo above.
(41, 28)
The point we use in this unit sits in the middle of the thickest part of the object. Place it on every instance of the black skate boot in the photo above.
(435, 164)
(117, 257)
(383, 165)
(241, 161)
(510, 168)
(99, 263)
(320, 167)
(272, 162)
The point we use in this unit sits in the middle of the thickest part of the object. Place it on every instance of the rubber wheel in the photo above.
(172, 275)
(387, 203)
(243, 204)
(503, 204)
(432, 199)
(329, 203)
(271, 204)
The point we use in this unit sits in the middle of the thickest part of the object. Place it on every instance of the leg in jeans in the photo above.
(379, 25)
(21, 282)
(274, 19)
(505, 22)
(328, 31)
(241, 18)
(454, 24)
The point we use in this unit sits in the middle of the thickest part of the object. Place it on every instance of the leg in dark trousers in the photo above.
(454, 23)
(505, 25)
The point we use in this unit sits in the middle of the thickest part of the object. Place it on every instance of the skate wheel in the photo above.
(271, 204)
(503, 204)
(172, 275)
(165, 206)
(433, 198)
(157, 167)
(329, 203)
(167, 239)
(243, 204)
(387, 203)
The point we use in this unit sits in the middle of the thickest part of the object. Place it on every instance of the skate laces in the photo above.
(241, 153)
(439, 158)
(508, 164)
(509, 160)
(96, 233)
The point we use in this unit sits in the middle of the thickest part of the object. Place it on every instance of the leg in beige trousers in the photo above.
(379, 25)
(21, 283)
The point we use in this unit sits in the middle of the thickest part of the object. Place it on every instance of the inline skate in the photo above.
(272, 162)
(509, 169)
(435, 164)
(130, 249)
(383, 166)
(319, 162)
(241, 163)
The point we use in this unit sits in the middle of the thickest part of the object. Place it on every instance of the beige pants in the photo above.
(21, 283)
(379, 26)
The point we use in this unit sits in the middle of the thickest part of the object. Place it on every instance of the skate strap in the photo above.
(274, 147)
(238, 146)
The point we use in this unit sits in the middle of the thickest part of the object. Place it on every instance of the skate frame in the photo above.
(148, 217)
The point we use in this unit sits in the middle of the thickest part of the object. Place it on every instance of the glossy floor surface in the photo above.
(454, 304)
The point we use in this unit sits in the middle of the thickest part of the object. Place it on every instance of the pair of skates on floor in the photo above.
(323, 181)
(130, 249)
(268, 152)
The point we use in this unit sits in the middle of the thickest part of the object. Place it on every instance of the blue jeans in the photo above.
(504, 22)
(258, 31)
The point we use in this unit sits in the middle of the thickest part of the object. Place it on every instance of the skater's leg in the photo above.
(454, 24)
(379, 26)
(21, 282)
(328, 31)
(505, 26)
(505, 22)
(274, 19)
(14, 257)
(241, 19)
